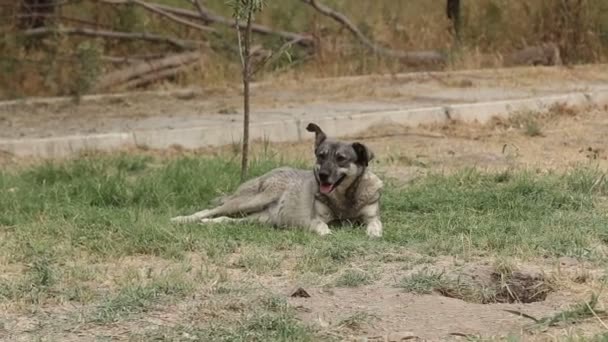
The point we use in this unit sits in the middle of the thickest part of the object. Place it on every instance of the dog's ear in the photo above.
(364, 154)
(319, 134)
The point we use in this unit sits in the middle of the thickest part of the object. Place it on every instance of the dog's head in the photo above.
(337, 163)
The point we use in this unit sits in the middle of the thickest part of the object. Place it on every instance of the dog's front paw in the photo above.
(321, 228)
(374, 229)
(324, 232)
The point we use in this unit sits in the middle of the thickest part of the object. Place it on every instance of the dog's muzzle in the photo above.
(326, 186)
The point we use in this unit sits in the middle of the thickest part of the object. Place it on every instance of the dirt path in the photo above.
(286, 98)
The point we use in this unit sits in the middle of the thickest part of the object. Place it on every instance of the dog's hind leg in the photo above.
(235, 205)
(262, 217)
(244, 205)
(191, 218)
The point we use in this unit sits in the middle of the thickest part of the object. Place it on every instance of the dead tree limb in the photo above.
(153, 77)
(62, 18)
(543, 54)
(155, 9)
(81, 31)
(416, 57)
(125, 75)
(207, 15)
(202, 10)
(272, 57)
(130, 59)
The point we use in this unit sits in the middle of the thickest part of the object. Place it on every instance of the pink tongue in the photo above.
(325, 188)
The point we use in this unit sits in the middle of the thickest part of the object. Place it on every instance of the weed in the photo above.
(259, 262)
(356, 321)
(423, 282)
(353, 278)
(138, 295)
(575, 314)
(532, 128)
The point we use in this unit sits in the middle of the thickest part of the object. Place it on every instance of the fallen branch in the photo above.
(59, 18)
(153, 77)
(544, 54)
(416, 57)
(139, 70)
(206, 15)
(156, 9)
(180, 43)
(130, 59)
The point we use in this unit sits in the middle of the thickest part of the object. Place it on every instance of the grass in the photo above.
(119, 206)
(575, 314)
(354, 278)
(61, 222)
(423, 282)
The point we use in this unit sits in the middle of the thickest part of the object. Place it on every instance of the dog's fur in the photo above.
(339, 188)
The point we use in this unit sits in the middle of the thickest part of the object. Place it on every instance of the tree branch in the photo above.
(409, 57)
(139, 70)
(240, 45)
(81, 31)
(207, 15)
(159, 11)
(273, 56)
(202, 11)
(152, 76)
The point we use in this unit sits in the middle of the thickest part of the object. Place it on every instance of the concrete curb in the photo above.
(292, 129)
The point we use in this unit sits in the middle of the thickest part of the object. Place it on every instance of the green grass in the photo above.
(118, 206)
(58, 220)
(423, 282)
(354, 278)
(575, 314)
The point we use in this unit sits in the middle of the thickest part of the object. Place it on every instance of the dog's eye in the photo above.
(340, 158)
(322, 155)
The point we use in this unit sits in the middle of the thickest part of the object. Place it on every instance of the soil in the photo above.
(286, 97)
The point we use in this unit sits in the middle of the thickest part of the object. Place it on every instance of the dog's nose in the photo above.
(323, 176)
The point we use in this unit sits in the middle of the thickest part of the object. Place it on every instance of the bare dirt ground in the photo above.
(286, 97)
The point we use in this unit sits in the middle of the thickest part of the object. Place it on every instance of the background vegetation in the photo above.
(62, 64)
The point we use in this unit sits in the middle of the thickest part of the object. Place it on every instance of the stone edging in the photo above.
(290, 130)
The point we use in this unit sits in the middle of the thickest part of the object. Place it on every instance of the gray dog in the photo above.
(340, 188)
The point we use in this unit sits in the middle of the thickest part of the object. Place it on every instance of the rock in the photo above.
(401, 336)
(300, 292)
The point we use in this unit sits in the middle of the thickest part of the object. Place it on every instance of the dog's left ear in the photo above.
(319, 134)
(364, 154)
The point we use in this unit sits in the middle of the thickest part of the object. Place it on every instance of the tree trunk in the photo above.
(35, 13)
(246, 78)
(453, 13)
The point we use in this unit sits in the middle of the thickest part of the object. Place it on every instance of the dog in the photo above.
(340, 188)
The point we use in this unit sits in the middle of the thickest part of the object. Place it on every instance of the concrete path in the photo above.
(58, 127)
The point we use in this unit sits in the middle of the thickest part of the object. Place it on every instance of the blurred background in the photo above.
(75, 47)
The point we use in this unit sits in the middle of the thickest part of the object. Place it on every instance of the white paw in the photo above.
(374, 229)
(324, 232)
(322, 229)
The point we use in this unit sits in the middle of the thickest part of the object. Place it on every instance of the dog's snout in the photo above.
(323, 176)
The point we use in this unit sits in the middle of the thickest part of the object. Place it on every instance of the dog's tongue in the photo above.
(325, 188)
